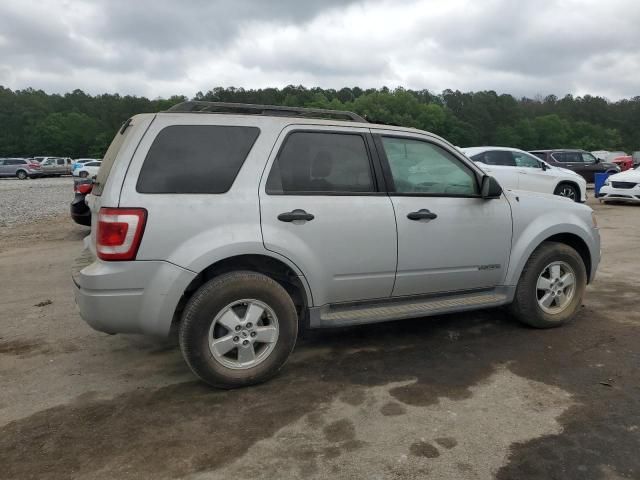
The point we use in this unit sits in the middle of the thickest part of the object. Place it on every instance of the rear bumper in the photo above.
(128, 297)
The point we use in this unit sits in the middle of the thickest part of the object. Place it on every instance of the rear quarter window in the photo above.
(195, 158)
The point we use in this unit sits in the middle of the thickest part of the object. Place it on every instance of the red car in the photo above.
(625, 162)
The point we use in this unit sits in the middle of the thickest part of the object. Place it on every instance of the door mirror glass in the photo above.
(490, 187)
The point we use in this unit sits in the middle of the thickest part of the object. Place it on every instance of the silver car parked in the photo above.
(21, 168)
(237, 224)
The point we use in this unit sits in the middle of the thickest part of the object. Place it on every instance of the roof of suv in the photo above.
(310, 116)
(552, 150)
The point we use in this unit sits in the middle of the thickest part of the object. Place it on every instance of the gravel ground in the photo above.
(25, 201)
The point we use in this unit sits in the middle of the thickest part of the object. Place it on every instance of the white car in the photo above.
(89, 169)
(623, 186)
(519, 170)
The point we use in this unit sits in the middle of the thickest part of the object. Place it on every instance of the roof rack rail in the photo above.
(197, 106)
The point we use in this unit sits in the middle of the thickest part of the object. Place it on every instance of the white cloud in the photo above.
(160, 48)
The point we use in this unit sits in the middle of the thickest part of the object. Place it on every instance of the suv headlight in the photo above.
(607, 182)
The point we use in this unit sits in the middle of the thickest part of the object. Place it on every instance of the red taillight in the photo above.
(34, 165)
(83, 188)
(119, 232)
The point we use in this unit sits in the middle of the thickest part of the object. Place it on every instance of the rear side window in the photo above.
(322, 162)
(495, 157)
(196, 158)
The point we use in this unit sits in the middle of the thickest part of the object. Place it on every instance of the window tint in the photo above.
(92, 164)
(567, 157)
(588, 158)
(321, 162)
(421, 167)
(526, 160)
(15, 161)
(496, 157)
(195, 159)
(61, 161)
(540, 155)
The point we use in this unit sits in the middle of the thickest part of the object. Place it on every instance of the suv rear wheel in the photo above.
(238, 329)
(21, 174)
(551, 286)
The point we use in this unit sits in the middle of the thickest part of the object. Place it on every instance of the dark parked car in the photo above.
(80, 212)
(579, 161)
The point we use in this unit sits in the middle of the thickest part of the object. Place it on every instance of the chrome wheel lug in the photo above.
(253, 334)
(245, 342)
(236, 339)
(238, 328)
(249, 325)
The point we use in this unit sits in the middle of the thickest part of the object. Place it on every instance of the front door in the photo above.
(449, 238)
(322, 208)
(531, 175)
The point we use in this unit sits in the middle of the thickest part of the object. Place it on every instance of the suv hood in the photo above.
(607, 165)
(626, 176)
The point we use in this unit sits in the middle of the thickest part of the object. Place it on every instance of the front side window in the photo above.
(424, 168)
(526, 160)
(588, 158)
(195, 158)
(321, 162)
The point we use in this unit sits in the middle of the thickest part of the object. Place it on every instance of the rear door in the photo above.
(322, 207)
(449, 238)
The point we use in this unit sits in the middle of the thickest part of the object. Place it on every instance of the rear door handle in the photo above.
(296, 214)
(422, 214)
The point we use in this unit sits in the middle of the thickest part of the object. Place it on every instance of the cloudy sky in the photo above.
(164, 47)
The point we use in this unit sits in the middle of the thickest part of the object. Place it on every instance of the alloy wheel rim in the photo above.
(243, 334)
(568, 192)
(555, 287)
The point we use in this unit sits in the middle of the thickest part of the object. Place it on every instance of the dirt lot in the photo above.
(460, 396)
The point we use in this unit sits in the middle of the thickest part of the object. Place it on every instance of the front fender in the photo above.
(542, 228)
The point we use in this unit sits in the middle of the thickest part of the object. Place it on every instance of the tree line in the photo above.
(76, 124)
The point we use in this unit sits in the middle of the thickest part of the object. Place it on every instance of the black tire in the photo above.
(83, 174)
(568, 190)
(525, 306)
(213, 297)
(22, 175)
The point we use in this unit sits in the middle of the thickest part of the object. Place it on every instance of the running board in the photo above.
(338, 315)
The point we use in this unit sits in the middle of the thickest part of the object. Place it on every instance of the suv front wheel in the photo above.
(569, 191)
(551, 286)
(238, 329)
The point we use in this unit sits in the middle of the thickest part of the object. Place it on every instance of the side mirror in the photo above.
(490, 188)
(544, 166)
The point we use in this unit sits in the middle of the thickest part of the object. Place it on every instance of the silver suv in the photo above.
(239, 224)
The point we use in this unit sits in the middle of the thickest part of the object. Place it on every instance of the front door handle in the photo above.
(296, 214)
(422, 214)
